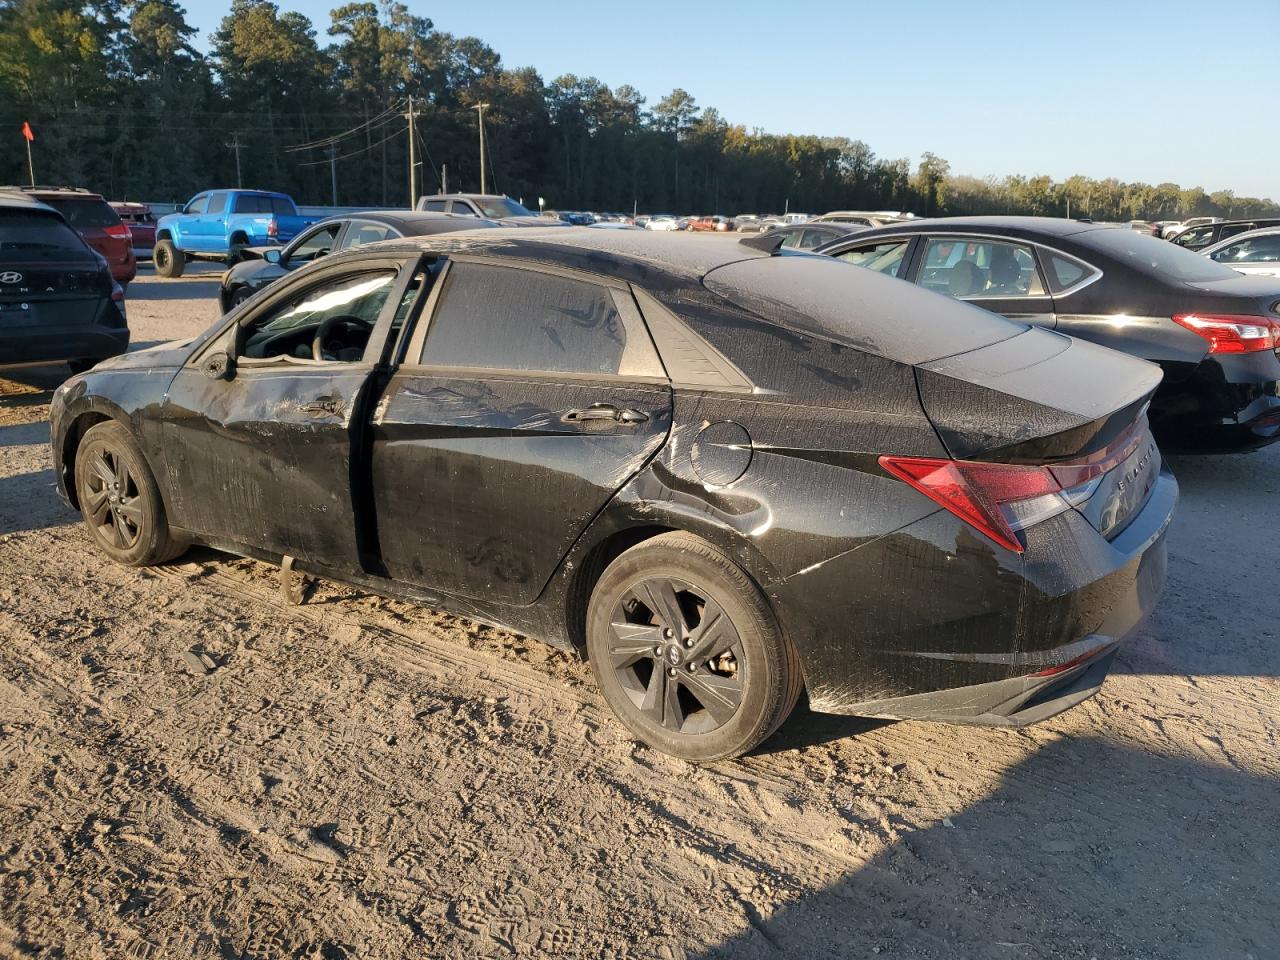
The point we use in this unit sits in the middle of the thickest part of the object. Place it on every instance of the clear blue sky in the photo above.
(1135, 89)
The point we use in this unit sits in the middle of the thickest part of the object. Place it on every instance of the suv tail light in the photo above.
(273, 228)
(1232, 333)
(117, 230)
(999, 499)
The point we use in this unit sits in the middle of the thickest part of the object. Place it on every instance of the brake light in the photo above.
(117, 230)
(273, 228)
(1232, 333)
(999, 499)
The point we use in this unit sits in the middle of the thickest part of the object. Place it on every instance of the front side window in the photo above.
(1265, 249)
(497, 207)
(342, 312)
(461, 208)
(790, 238)
(314, 245)
(884, 257)
(508, 319)
(358, 234)
(813, 238)
(198, 204)
(970, 268)
(1194, 237)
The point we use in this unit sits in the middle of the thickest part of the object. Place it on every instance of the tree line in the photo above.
(122, 102)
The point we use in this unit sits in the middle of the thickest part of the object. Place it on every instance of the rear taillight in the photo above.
(1232, 333)
(273, 228)
(117, 230)
(999, 499)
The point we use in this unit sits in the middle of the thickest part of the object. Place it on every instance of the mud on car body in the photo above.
(723, 475)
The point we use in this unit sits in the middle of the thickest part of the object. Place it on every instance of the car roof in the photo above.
(52, 193)
(635, 255)
(1029, 227)
(406, 218)
(15, 200)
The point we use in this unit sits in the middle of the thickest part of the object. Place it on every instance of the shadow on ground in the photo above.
(1086, 849)
(199, 281)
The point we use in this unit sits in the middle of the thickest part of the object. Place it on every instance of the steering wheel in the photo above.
(323, 331)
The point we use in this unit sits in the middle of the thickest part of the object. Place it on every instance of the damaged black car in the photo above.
(724, 474)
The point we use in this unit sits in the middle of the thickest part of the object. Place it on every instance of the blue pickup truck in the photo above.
(219, 224)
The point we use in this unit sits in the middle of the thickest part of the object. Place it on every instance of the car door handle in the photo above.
(605, 411)
(322, 406)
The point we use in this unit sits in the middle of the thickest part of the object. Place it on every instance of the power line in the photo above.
(381, 119)
(354, 153)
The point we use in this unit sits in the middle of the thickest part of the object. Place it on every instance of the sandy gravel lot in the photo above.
(191, 768)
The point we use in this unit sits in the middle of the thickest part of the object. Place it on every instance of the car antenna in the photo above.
(770, 245)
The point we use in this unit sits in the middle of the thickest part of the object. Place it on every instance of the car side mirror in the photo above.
(219, 366)
(272, 256)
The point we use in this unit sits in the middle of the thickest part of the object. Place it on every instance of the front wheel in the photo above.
(687, 652)
(168, 260)
(119, 499)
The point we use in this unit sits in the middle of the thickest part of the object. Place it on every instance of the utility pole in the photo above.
(444, 178)
(235, 145)
(481, 107)
(413, 158)
(333, 171)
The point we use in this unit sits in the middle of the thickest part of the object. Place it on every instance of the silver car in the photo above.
(1255, 253)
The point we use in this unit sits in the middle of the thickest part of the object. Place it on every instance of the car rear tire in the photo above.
(239, 296)
(168, 260)
(687, 651)
(80, 366)
(119, 499)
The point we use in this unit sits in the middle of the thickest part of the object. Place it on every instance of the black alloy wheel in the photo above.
(687, 651)
(119, 499)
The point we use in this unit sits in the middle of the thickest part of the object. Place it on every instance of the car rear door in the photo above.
(1000, 274)
(526, 399)
(266, 459)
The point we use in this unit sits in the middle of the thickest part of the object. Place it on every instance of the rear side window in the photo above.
(86, 213)
(437, 206)
(358, 234)
(813, 238)
(33, 236)
(966, 268)
(217, 203)
(1063, 272)
(507, 319)
(1263, 249)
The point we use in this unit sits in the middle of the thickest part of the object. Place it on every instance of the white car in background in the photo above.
(1255, 253)
(662, 223)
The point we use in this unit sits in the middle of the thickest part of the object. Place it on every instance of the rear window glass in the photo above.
(84, 212)
(506, 319)
(33, 236)
(1152, 256)
(261, 203)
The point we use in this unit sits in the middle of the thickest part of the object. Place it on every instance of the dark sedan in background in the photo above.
(1214, 332)
(58, 300)
(263, 265)
(724, 475)
(809, 236)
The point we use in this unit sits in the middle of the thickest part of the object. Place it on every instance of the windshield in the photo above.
(1154, 256)
(84, 213)
(502, 207)
(34, 236)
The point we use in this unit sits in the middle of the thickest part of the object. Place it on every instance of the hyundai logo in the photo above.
(11, 276)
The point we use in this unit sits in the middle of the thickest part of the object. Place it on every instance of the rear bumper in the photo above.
(126, 269)
(1227, 404)
(936, 622)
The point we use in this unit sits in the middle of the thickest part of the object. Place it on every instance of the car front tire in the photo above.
(687, 652)
(168, 260)
(119, 499)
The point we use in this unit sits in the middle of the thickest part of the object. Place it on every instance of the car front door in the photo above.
(264, 457)
(525, 401)
(997, 274)
(210, 225)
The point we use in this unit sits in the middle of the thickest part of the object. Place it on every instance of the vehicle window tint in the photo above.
(217, 203)
(791, 238)
(86, 213)
(283, 207)
(885, 257)
(1254, 250)
(503, 318)
(315, 245)
(352, 302)
(461, 208)
(358, 234)
(1064, 273)
(197, 205)
(1231, 231)
(37, 236)
(501, 207)
(261, 203)
(966, 268)
(1193, 237)
(813, 238)
(437, 206)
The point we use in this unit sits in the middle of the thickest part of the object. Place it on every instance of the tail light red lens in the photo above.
(1232, 333)
(999, 499)
(273, 228)
(117, 230)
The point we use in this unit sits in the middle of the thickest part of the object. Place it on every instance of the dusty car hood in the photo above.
(171, 354)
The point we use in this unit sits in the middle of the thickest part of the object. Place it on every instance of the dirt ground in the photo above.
(190, 768)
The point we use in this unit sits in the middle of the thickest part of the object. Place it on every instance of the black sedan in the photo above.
(58, 300)
(722, 475)
(810, 236)
(1214, 332)
(267, 264)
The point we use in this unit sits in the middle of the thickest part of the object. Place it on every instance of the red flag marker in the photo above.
(26, 131)
(28, 135)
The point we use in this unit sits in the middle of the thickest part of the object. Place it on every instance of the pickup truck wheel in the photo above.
(235, 251)
(169, 261)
